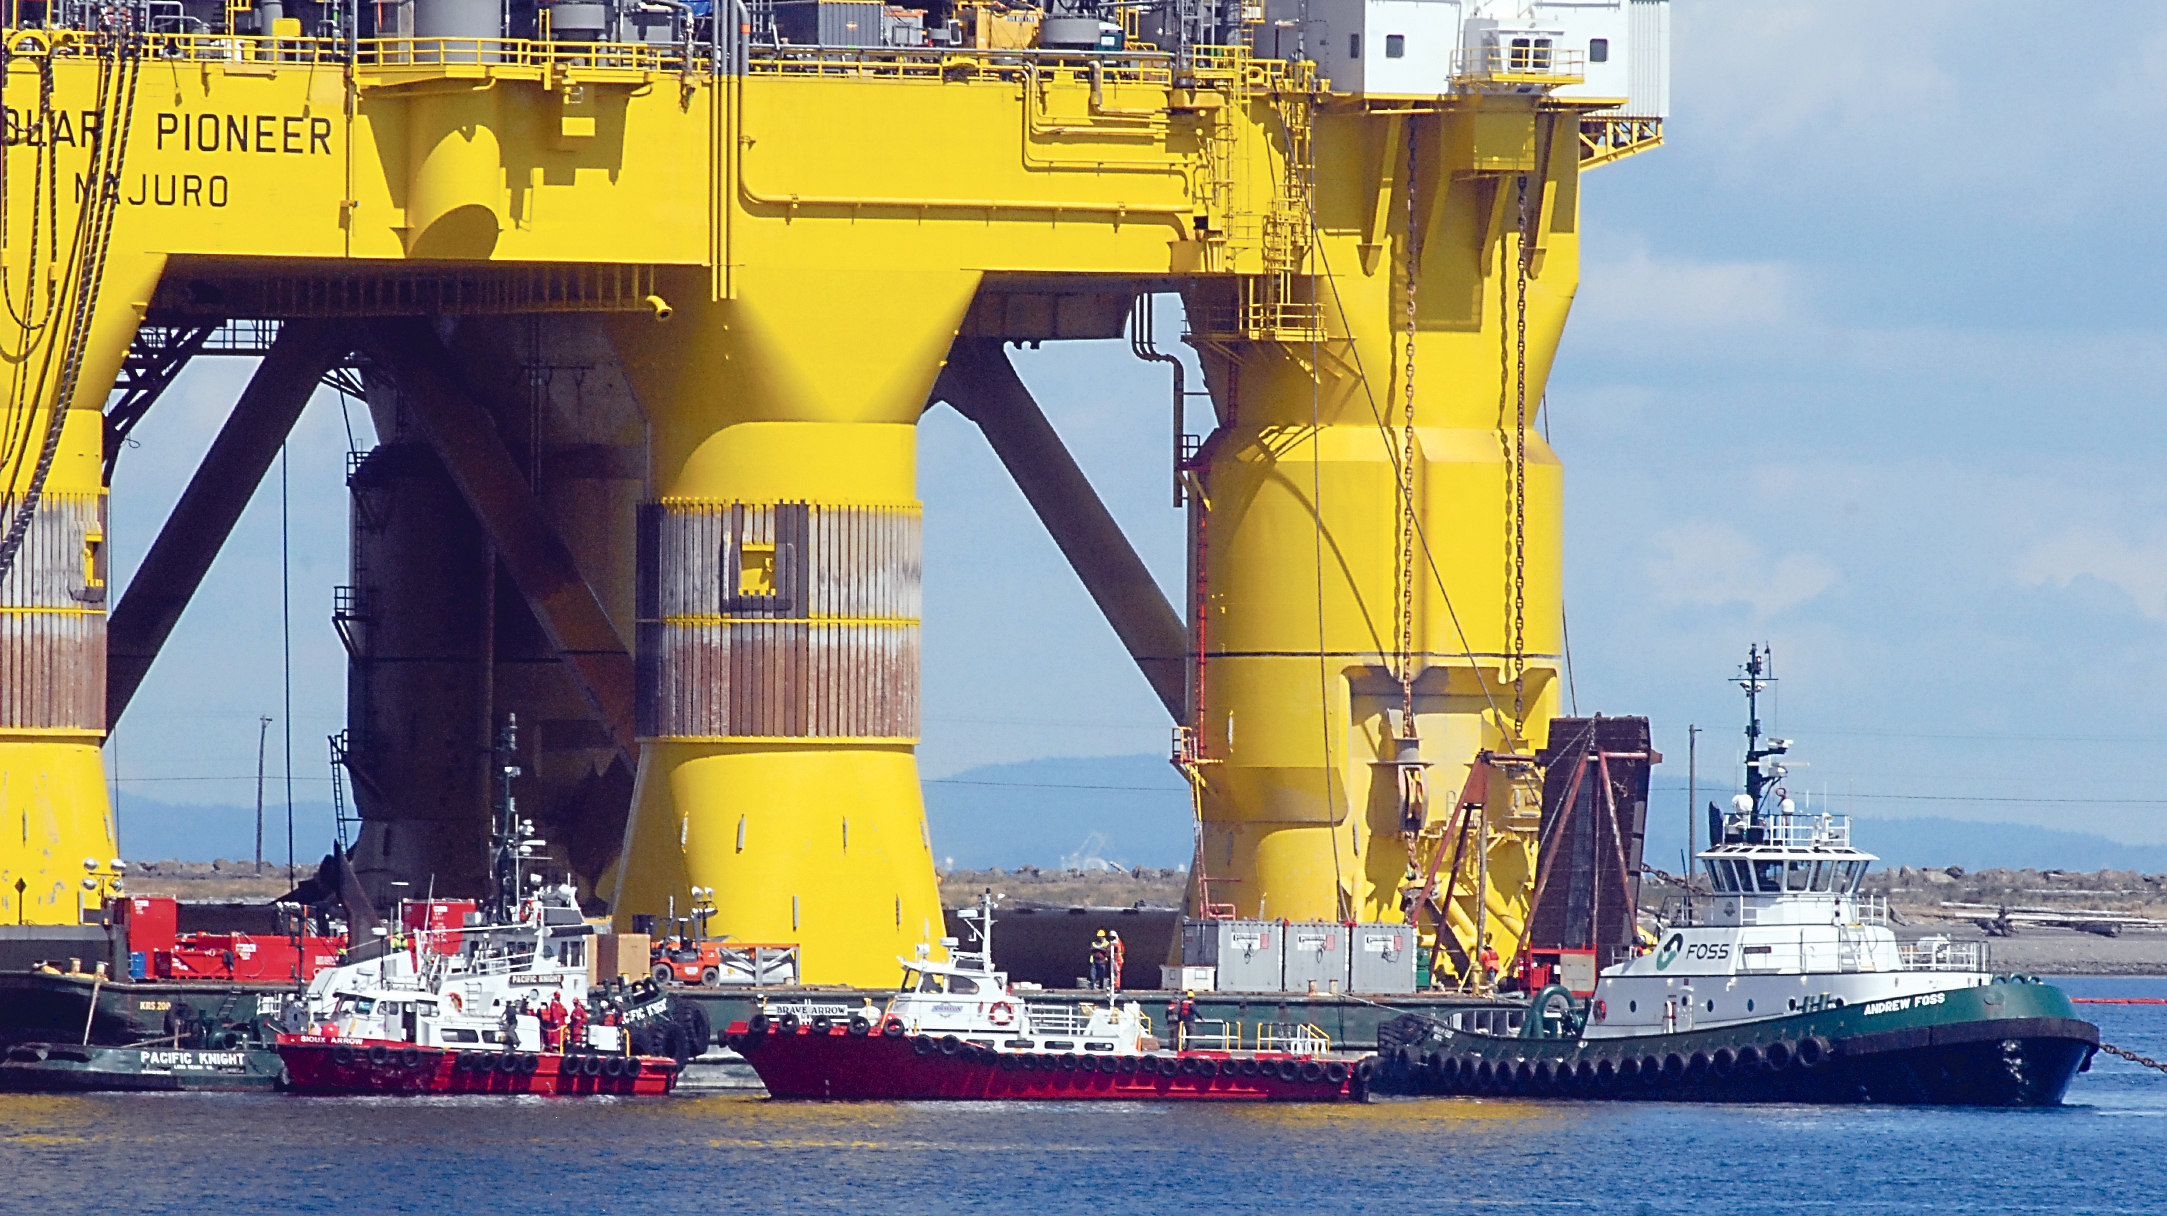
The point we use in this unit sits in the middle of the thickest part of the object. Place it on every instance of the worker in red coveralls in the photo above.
(553, 1019)
(578, 1037)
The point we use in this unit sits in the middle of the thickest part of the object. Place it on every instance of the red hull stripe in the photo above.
(314, 1065)
(850, 1067)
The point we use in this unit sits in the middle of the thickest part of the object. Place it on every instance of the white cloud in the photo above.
(1642, 291)
(2138, 570)
(1715, 565)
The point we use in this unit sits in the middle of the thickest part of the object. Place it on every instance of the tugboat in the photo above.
(473, 1009)
(960, 1030)
(1785, 984)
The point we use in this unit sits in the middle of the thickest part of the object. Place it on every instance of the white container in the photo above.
(1189, 979)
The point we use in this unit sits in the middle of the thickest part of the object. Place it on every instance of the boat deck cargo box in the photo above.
(621, 954)
(1383, 959)
(1189, 979)
(1247, 953)
(1316, 955)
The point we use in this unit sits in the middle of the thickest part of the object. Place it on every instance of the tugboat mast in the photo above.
(1758, 775)
(505, 844)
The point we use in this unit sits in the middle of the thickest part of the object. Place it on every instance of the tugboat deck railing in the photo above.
(1941, 954)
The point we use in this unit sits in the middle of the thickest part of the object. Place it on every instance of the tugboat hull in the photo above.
(320, 1064)
(835, 1064)
(2004, 1044)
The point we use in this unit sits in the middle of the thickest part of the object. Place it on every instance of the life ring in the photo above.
(410, 1058)
(458, 1003)
(923, 1045)
(342, 1055)
(379, 1054)
(1601, 1011)
(1000, 1013)
(1813, 1051)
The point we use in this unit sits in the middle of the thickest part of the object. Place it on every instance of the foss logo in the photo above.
(1669, 952)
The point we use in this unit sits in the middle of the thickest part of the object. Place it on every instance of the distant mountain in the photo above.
(159, 831)
(1949, 842)
(1076, 812)
(1064, 812)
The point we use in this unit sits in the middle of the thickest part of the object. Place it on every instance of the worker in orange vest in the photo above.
(1489, 962)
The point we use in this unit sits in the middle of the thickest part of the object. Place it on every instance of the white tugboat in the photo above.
(476, 1008)
(1785, 983)
(959, 1029)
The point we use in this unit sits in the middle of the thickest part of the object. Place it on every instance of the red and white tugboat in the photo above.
(474, 1009)
(959, 1030)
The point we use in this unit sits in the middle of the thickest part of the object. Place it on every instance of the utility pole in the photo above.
(263, 733)
(1692, 802)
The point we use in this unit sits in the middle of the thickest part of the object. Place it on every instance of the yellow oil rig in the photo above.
(646, 299)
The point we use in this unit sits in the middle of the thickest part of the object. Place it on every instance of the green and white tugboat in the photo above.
(1781, 983)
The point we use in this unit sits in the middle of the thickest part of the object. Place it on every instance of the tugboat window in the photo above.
(1632, 1006)
(1749, 1006)
(958, 984)
(1711, 1006)
(1797, 874)
(1768, 875)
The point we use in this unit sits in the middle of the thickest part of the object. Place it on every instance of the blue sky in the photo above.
(1864, 365)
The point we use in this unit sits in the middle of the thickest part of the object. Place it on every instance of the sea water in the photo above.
(2104, 1151)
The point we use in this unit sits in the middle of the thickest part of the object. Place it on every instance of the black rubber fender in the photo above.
(1724, 1062)
(1312, 1071)
(1289, 1070)
(950, 1045)
(1813, 1051)
(410, 1058)
(529, 1064)
(822, 1023)
(379, 1055)
(893, 1030)
(1336, 1072)
(1779, 1056)
(342, 1055)
(788, 1023)
(858, 1027)
(923, 1045)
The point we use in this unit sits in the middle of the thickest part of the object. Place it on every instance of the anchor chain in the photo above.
(2133, 1057)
